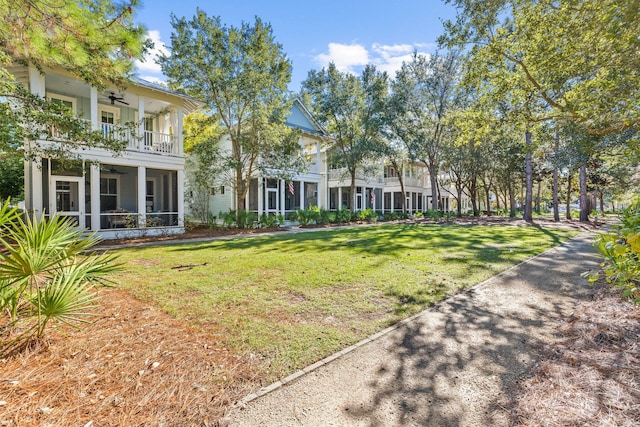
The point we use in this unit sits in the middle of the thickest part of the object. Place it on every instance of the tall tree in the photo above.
(242, 75)
(352, 109)
(95, 40)
(424, 93)
(202, 135)
(575, 60)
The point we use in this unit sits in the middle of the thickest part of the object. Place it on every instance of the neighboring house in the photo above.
(276, 196)
(327, 186)
(138, 192)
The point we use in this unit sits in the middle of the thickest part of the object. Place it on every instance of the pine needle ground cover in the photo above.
(290, 300)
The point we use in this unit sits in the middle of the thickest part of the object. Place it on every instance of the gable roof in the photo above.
(301, 118)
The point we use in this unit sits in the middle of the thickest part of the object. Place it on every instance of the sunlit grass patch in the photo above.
(293, 299)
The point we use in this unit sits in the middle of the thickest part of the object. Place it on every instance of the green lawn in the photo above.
(293, 299)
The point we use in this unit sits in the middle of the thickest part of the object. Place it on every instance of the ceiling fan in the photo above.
(115, 99)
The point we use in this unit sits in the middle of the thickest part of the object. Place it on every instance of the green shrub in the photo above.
(325, 216)
(342, 215)
(46, 276)
(212, 221)
(268, 221)
(621, 252)
(308, 216)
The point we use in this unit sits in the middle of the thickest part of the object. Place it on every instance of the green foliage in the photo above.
(352, 109)
(239, 219)
(308, 216)
(366, 215)
(572, 59)
(93, 40)
(242, 75)
(45, 276)
(268, 220)
(342, 215)
(11, 178)
(621, 252)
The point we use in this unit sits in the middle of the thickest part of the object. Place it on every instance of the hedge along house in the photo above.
(272, 195)
(140, 191)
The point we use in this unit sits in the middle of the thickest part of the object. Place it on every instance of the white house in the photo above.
(138, 192)
(327, 186)
(276, 196)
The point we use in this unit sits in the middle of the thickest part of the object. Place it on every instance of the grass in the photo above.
(293, 299)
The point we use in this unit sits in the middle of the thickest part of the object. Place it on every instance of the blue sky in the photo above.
(351, 33)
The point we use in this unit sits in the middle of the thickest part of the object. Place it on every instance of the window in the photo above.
(67, 101)
(150, 195)
(109, 117)
(108, 194)
(148, 131)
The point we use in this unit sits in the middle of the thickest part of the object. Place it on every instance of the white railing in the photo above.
(408, 181)
(153, 142)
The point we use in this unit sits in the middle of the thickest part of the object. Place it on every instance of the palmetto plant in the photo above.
(46, 275)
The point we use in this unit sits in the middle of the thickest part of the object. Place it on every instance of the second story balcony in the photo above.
(146, 116)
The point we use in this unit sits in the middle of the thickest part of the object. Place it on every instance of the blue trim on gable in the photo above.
(297, 119)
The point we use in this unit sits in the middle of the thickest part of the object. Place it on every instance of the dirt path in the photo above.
(448, 366)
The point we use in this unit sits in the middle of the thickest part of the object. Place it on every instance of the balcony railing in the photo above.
(150, 142)
(343, 175)
(408, 181)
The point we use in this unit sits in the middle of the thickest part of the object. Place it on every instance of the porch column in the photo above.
(392, 204)
(302, 206)
(93, 109)
(339, 197)
(142, 196)
(260, 195)
(33, 170)
(35, 186)
(141, 136)
(180, 178)
(281, 205)
(178, 132)
(94, 189)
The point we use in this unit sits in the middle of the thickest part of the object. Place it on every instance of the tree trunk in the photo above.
(486, 195)
(473, 190)
(512, 200)
(353, 190)
(400, 172)
(459, 207)
(241, 191)
(584, 198)
(601, 202)
(433, 177)
(556, 211)
(495, 190)
(538, 197)
(569, 196)
(528, 214)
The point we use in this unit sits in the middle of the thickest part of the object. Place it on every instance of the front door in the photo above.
(68, 198)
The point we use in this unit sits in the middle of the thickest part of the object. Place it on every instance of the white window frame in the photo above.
(109, 109)
(51, 96)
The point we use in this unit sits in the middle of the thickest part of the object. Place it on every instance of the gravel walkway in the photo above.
(447, 366)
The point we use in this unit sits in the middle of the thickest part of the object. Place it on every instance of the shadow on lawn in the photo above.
(391, 240)
(442, 367)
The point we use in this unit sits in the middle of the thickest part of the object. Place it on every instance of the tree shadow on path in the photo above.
(452, 365)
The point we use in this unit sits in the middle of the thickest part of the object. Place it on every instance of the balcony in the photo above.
(409, 181)
(150, 142)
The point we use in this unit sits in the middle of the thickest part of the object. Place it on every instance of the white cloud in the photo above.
(353, 57)
(346, 57)
(149, 65)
